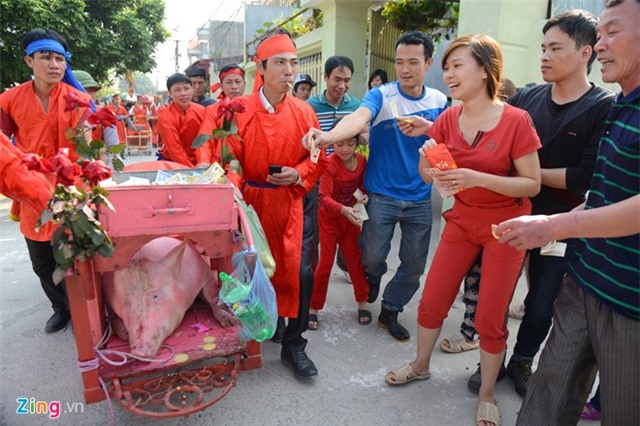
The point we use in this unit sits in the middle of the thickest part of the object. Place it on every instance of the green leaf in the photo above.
(97, 145)
(200, 140)
(45, 217)
(219, 134)
(117, 149)
(117, 163)
(83, 149)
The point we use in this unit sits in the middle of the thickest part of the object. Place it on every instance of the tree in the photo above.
(143, 84)
(438, 18)
(106, 36)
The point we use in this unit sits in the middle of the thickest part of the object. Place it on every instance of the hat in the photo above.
(86, 80)
(303, 78)
(196, 72)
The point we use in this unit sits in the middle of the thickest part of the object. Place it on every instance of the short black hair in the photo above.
(378, 73)
(276, 32)
(177, 78)
(581, 27)
(39, 34)
(416, 38)
(337, 62)
(230, 67)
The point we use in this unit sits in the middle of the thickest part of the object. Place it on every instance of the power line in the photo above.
(219, 44)
(209, 19)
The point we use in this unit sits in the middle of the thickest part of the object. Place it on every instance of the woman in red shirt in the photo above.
(494, 147)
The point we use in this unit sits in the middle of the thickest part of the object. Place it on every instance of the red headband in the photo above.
(279, 43)
(214, 88)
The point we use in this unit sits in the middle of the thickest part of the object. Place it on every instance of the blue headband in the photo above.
(57, 47)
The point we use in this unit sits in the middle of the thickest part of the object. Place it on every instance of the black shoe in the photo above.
(519, 371)
(57, 322)
(389, 320)
(280, 329)
(374, 289)
(299, 361)
(476, 378)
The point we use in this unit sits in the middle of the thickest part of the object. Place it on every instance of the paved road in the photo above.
(351, 358)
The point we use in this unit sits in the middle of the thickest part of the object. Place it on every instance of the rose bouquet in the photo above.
(80, 135)
(73, 207)
(226, 113)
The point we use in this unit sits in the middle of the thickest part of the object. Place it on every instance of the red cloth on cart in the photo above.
(146, 166)
(276, 139)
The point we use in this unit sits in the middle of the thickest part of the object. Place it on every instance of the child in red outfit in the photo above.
(340, 225)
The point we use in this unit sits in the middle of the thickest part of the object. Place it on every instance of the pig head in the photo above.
(152, 293)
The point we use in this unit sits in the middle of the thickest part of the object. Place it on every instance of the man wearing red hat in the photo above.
(271, 128)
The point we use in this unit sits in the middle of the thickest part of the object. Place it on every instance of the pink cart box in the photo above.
(167, 209)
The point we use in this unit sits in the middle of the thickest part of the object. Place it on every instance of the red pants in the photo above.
(336, 231)
(466, 233)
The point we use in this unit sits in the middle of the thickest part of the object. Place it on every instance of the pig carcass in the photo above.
(152, 293)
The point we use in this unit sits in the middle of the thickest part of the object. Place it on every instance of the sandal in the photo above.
(313, 322)
(488, 412)
(403, 375)
(589, 412)
(458, 344)
(364, 317)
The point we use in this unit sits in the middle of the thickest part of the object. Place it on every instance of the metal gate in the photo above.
(382, 44)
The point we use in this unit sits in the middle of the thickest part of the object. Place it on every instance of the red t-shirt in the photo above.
(493, 152)
(338, 184)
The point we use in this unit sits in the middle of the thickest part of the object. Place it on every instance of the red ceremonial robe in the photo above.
(38, 132)
(208, 152)
(276, 139)
(178, 128)
(120, 111)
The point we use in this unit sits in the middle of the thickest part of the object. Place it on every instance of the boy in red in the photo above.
(340, 225)
(179, 123)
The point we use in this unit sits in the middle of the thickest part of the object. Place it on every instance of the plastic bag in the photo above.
(258, 312)
(259, 237)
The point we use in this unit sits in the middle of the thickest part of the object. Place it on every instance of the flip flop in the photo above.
(458, 344)
(313, 322)
(488, 412)
(403, 375)
(364, 317)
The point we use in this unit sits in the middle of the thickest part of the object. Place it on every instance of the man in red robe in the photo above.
(122, 114)
(179, 123)
(34, 114)
(271, 128)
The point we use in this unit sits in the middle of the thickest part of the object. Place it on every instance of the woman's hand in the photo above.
(413, 125)
(456, 179)
(351, 215)
(429, 143)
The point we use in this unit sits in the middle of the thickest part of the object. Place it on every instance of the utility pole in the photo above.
(177, 55)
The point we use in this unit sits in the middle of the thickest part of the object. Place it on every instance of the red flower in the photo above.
(95, 171)
(74, 100)
(36, 163)
(66, 170)
(104, 117)
(228, 108)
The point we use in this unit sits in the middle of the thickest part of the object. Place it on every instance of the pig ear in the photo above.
(174, 256)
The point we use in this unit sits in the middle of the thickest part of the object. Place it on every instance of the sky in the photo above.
(183, 18)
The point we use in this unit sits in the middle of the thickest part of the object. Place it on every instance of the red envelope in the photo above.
(440, 157)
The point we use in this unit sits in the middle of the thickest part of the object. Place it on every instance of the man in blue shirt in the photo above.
(397, 194)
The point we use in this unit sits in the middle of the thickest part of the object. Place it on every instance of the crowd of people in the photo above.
(546, 176)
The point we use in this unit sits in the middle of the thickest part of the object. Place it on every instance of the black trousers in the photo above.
(296, 326)
(43, 264)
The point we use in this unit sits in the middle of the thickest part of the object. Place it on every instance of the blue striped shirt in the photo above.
(327, 114)
(609, 268)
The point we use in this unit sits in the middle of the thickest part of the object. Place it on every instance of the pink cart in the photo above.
(206, 363)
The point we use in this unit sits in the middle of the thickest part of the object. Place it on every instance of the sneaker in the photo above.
(519, 371)
(475, 381)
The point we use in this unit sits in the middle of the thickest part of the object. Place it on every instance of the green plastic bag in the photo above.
(259, 237)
